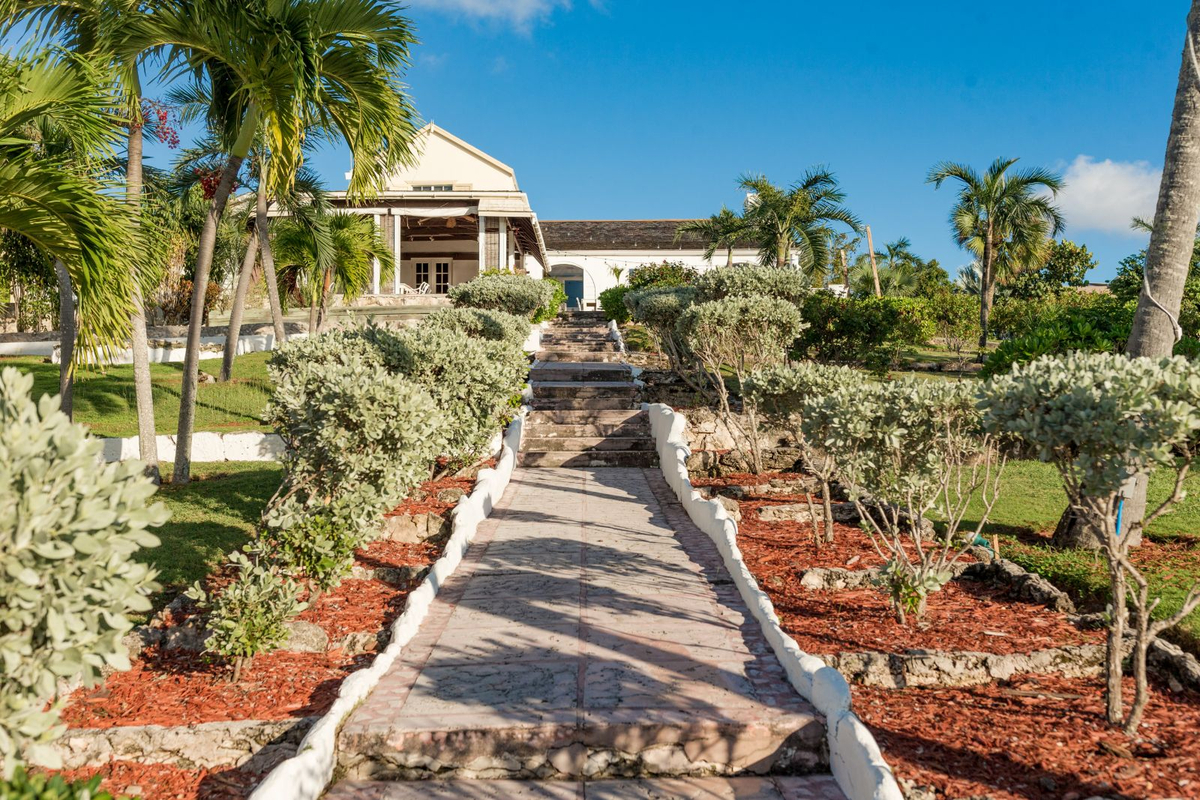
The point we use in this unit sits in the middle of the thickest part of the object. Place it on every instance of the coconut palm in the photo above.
(798, 218)
(721, 231)
(277, 68)
(326, 253)
(87, 27)
(1002, 218)
(56, 124)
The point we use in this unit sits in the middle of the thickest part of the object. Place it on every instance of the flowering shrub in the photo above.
(70, 528)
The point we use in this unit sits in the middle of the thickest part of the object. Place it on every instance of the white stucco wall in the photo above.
(597, 264)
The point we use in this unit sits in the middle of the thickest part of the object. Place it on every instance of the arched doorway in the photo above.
(571, 277)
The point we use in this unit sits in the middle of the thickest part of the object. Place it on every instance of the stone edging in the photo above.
(206, 447)
(205, 745)
(305, 775)
(855, 759)
(927, 668)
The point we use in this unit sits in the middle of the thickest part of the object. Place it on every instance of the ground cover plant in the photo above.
(105, 400)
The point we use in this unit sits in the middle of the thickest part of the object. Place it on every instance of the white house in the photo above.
(458, 211)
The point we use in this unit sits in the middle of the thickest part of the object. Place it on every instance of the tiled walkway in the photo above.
(591, 632)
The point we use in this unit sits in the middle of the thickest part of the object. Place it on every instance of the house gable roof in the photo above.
(620, 234)
(443, 159)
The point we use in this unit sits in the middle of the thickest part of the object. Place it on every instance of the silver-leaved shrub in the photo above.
(516, 294)
(70, 527)
(481, 323)
(752, 280)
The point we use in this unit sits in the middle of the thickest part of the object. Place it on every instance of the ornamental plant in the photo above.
(751, 280)
(70, 527)
(910, 453)
(23, 786)
(250, 615)
(868, 332)
(498, 326)
(741, 334)
(556, 300)
(612, 302)
(659, 310)
(516, 294)
(780, 394)
(1103, 419)
(668, 273)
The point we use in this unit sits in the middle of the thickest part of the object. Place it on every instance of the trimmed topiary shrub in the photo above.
(750, 280)
(23, 786)
(612, 301)
(69, 527)
(659, 309)
(516, 294)
(480, 323)
(740, 334)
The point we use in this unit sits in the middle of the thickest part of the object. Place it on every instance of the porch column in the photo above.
(397, 231)
(375, 263)
(482, 245)
(502, 247)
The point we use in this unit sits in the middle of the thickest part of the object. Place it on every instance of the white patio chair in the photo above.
(423, 288)
(404, 288)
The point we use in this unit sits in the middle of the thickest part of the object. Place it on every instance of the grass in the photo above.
(214, 514)
(1031, 501)
(105, 400)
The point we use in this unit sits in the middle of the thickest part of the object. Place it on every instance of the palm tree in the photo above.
(277, 68)
(87, 27)
(898, 267)
(721, 231)
(56, 122)
(326, 253)
(1002, 218)
(970, 278)
(797, 219)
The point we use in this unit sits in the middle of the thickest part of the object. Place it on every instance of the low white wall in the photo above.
(305, 775)
(172, 352)
(855, 759)
(534, 342)
(206, 447)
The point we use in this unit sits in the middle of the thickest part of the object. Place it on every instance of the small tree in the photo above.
(911, 453)
(70, 528)
(780, 394)
(1103, 419)
(659, 309)
(957, 322)
(740, 334)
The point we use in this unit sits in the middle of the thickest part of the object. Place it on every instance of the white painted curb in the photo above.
(207, 447)
(855, 759)
(533, 342)
(171, 352)
(614, 333)
(305, 775)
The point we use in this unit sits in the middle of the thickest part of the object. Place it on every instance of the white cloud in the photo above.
(1106, 195)
(519, 13)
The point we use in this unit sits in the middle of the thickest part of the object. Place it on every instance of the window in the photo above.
(441, 283)
(422, 268)
(434, 187)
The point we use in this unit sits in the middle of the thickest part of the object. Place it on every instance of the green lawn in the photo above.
(104, 400)
(211, 516)
(1030, 503)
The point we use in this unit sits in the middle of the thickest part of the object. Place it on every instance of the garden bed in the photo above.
(182, 688)
(1013, 734)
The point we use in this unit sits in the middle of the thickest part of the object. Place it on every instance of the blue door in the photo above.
(574, 293)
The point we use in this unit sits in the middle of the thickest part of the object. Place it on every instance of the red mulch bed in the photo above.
(181, 688)
(165, 782)
(386, 553)
(1000, 742)
(356, 606)
(425, 500)
(742, 479)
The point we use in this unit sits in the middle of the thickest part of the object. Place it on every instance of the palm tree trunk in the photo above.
(987, 290)
(204, 258)
(729, 257)
(261, 224)
(239, 304)
(142, 387)
(1169, 254)
(782, 253)
(66, 329)
(312, 315)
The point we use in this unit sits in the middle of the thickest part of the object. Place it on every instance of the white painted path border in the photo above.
(854, 755)
(305, 775)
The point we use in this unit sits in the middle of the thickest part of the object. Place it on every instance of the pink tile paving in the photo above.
(590, 633)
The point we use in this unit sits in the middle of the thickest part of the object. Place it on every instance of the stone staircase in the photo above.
(586, 406)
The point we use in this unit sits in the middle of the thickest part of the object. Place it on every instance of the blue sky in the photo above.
(647, 109)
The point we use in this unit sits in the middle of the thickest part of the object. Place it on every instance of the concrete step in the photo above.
(609, 356)
(585, 417)
(791, 787)
(635, 427)
(584, 388)
(580, 371)
(588, 444)
(588, 459)
(607, 403)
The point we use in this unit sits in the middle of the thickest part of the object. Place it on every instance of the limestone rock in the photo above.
(306, 637)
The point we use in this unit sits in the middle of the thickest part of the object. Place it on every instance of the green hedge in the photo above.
(868, 332)
(612, 301)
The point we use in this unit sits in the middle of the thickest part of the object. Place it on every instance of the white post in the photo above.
(375, 265)
(482, 246)
(502, 246)
(398, 222)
